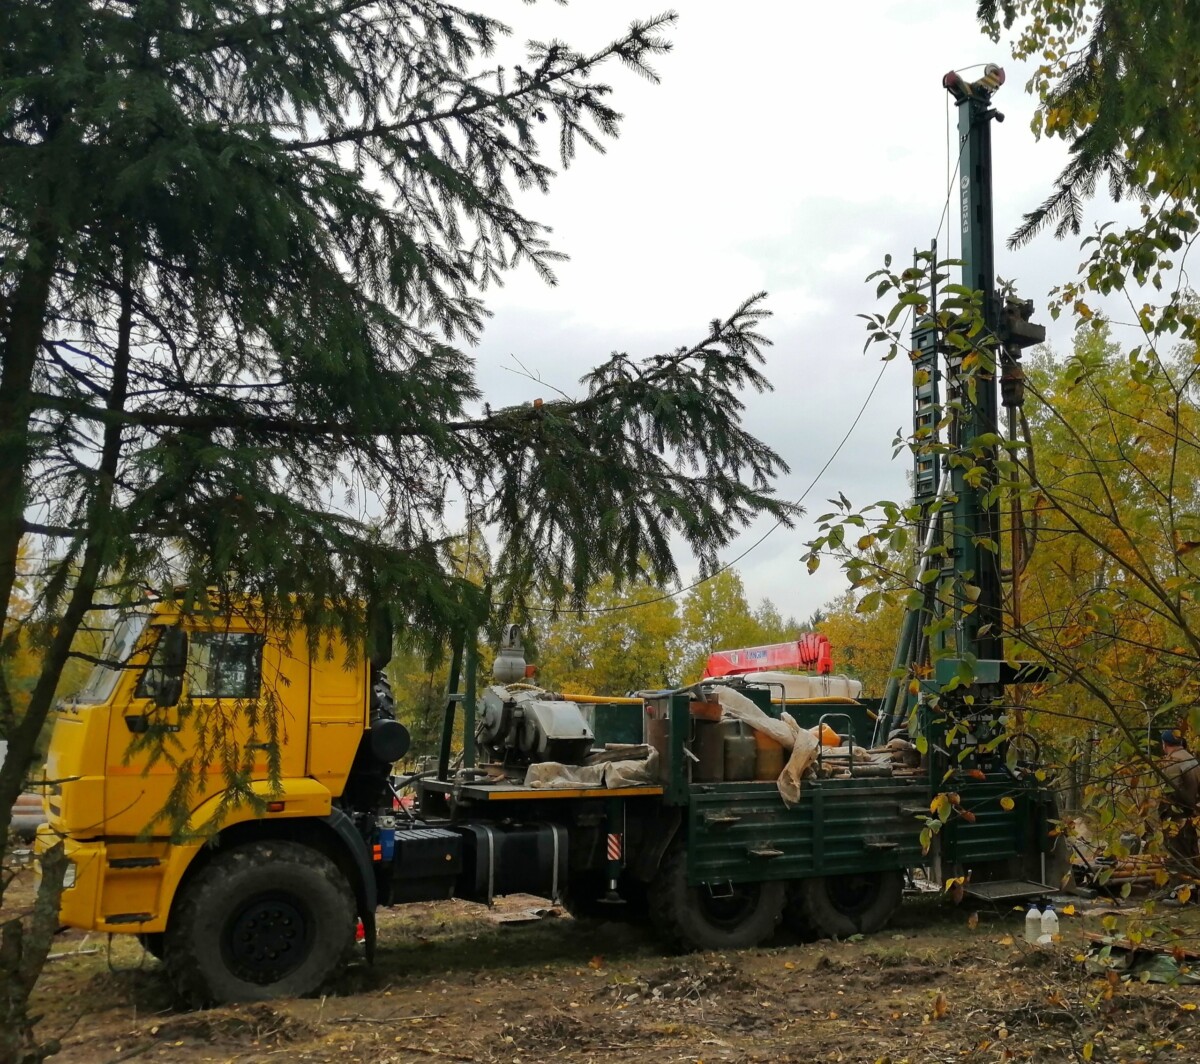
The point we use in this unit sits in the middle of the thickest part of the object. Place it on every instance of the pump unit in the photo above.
(530, 725)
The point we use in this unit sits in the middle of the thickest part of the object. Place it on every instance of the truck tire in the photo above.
(696, 918)
(840, 906)
(152, 943)
(265, 920)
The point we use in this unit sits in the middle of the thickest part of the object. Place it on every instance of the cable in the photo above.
(761, 539)
(949, 181)
(592, 611)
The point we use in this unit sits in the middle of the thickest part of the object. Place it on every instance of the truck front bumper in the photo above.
(79, 905)
(117, 887)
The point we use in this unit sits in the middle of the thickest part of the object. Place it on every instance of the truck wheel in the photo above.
(270, 919)
(152, 943)
(840, 906)
(739, 916)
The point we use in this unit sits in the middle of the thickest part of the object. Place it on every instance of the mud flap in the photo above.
(365, 894)
(656, 835)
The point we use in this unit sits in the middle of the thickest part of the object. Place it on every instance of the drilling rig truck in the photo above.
(611, 805)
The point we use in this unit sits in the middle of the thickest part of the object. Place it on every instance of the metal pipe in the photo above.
(887, 708)
(909, 630)
(614, 847)
(471, 664)
(600, 700)
(832, 700)
(443, 770)
(1015, 560)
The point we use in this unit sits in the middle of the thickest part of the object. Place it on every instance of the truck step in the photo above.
(1006, 890)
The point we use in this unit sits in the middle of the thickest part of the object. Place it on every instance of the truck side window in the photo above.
(224, 665)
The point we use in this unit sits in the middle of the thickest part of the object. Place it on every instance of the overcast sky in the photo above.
(789, 147)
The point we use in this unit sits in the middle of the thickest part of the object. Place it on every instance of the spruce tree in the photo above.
(243, 251)
(1119, 81)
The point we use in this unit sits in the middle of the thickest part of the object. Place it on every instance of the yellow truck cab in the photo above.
(179, 703)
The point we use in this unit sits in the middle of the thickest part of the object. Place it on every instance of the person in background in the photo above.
(1181, 804)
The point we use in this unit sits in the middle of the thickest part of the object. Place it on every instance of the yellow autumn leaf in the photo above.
(1188, 1006)
(941, 1006)
(1007, 804)
(1088, 1049)
(1183, 895)
(1068, 910)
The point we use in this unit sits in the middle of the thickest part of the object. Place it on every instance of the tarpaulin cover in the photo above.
(634, 772)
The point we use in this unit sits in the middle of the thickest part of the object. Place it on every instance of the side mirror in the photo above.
(174, 657)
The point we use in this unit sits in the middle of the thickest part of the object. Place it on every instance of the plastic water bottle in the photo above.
(1050, 922)
(1033, 925)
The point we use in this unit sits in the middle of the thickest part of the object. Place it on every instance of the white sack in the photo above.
(804, 753)
(554, 776)
(633, 773)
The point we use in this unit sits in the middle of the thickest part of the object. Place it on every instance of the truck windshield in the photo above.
(117, 648)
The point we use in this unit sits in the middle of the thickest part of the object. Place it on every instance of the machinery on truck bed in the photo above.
(607, 804)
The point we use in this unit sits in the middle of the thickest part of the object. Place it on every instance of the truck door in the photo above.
(240, 704)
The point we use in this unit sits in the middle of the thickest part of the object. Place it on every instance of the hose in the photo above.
(601, 700)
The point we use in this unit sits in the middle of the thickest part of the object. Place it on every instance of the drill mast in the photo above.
(955, 393)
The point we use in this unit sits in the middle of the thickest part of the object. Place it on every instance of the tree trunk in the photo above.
(22, 333)
(24, 946)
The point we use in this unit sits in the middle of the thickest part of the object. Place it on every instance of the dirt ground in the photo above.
(456, 982)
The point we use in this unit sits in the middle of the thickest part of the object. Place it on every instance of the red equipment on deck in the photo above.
(810, 651)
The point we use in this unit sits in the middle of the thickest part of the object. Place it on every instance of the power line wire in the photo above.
(591, 611)
(761, 539)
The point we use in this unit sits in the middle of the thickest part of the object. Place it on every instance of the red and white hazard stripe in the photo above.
(614, 847)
